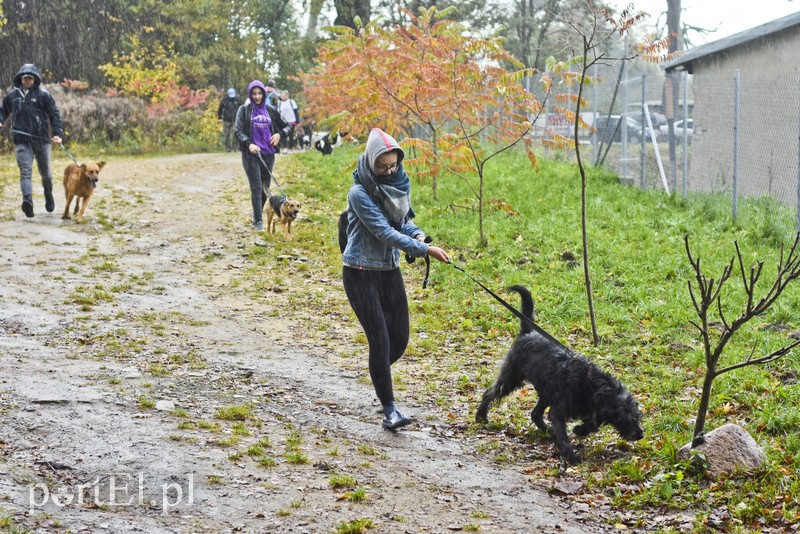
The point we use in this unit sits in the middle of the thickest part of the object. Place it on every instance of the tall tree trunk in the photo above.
(348, 10)
(314, 9)
(671, 85)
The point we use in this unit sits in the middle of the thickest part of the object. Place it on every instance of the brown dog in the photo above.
(80, 182)
(285, 210)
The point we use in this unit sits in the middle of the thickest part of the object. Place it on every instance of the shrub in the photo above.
(187, 121)
(99, 120)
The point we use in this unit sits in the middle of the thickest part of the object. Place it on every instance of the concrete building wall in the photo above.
(769, 110)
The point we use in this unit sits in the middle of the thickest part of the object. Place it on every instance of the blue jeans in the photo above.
(26, 153)
(259, 180)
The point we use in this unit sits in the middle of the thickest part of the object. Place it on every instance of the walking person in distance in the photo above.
(226, 112)
(259, 128)
(36, 122)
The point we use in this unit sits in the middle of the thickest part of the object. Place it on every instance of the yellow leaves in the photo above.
(148, 71)
(499, 205)
(558, 141)
(727, 409)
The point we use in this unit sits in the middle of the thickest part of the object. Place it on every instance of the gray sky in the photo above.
(729, 16)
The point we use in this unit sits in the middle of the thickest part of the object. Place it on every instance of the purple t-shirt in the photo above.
(261, 130)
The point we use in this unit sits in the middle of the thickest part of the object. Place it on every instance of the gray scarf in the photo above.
(391, 193)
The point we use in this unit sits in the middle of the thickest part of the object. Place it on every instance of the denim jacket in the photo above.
(371, 242)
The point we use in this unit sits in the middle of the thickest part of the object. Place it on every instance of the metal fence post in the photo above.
(736, 88)
(685, 130)
(797, 208)
(596, 108)
(623, 118)
(644, 137)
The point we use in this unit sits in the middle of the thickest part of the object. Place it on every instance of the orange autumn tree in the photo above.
(452, 95)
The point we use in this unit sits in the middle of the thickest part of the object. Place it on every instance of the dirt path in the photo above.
(147, 386)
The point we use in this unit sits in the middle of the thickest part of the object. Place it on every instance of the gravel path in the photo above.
(144, 388)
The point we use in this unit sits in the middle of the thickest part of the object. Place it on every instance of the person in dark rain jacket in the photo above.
(36, 122)
(226, 112)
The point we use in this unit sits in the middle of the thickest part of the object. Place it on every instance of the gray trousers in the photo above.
(26, 153)
(230, 139)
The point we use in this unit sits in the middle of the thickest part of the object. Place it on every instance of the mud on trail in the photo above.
(148, 385)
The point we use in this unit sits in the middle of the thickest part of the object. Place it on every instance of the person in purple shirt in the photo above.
(259, 128)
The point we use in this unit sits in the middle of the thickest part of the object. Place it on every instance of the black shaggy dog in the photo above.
(569, 384)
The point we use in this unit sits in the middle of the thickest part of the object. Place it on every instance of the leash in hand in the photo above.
(271, 176)
(410, 259)
(45, 140)
(512, 309)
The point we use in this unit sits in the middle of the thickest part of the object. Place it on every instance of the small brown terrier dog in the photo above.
(80, 182)
(285, 210)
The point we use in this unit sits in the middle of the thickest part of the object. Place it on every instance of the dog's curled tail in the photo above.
(527, 308)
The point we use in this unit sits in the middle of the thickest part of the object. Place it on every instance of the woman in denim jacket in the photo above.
(378, 227)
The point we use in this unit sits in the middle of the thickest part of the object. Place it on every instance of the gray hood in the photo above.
(379, 143)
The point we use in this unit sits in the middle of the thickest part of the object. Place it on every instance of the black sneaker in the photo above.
(49, 203)
(27, 206)
(394, 418)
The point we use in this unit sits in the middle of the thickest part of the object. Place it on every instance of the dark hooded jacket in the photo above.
(242, 126)
(33, 113)
(228, 107)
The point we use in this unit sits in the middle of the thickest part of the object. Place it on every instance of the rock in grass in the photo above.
(727, 449)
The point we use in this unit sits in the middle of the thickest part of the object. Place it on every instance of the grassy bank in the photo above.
(640, 272)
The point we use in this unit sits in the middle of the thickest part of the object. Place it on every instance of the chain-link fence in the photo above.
(737, 140)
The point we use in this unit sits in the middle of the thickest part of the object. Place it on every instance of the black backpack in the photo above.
(342, 230)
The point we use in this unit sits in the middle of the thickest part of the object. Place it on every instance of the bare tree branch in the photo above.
(709, 292)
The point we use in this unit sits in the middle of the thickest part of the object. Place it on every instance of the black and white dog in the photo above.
(568, 383)
(325, 141)
(302, 137)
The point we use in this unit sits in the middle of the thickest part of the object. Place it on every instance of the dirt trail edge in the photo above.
(144, 389)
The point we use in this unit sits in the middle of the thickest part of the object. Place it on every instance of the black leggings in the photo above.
(379, 300)
(259, 180)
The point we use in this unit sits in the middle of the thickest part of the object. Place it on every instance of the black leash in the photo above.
(46, 141)
(513, 310)
(271, 176)
(410, 259)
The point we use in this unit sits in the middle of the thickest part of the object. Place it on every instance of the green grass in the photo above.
(342, 481)
(356, 526)
(640, 272)
(235, 413)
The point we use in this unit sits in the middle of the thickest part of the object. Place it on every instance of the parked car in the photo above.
(607, 130)
(663, 130)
